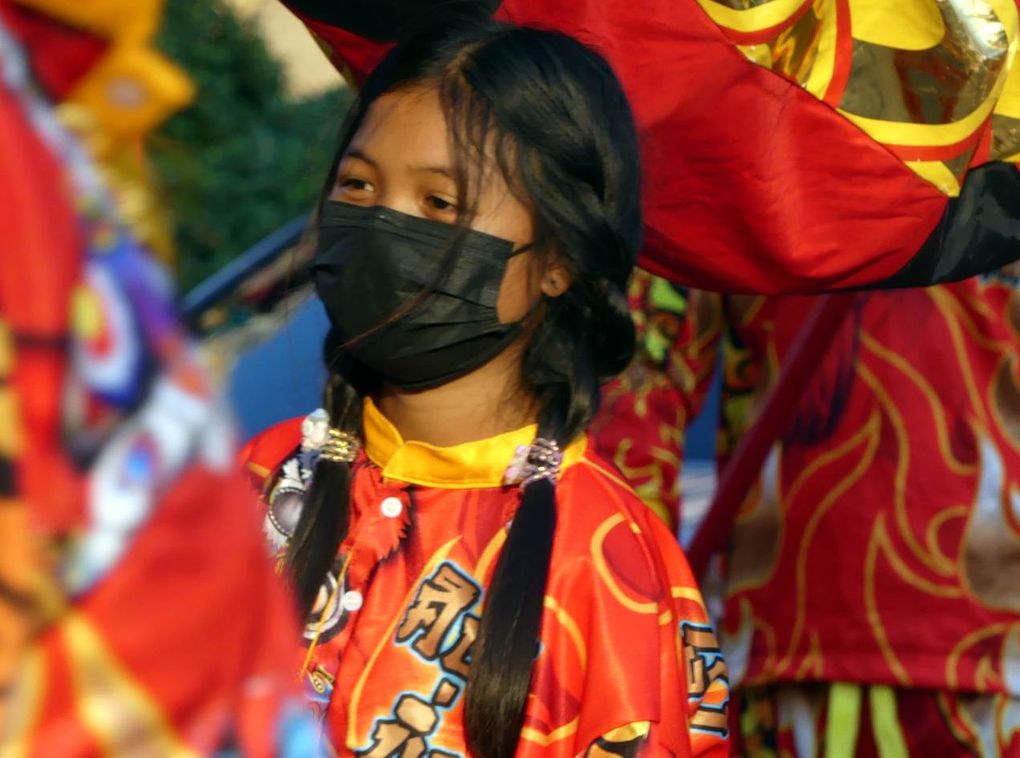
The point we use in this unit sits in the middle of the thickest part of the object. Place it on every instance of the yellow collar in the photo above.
(470, 465)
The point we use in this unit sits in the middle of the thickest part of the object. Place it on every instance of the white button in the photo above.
(352, 601)
(392, 507)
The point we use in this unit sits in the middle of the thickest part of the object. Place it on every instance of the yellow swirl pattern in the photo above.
(922, 78)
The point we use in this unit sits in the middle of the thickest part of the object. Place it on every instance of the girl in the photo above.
(475, 579)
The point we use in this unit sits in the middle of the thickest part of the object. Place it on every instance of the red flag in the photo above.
(787, 146)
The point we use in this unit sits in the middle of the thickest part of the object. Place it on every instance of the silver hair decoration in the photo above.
(332, 444)
(539, 460)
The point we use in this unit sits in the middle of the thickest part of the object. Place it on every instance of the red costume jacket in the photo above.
(627, 654)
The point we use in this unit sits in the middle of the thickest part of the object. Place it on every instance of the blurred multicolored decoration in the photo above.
(790, 145)
(96, 61)
(128, 88)
(115, 559)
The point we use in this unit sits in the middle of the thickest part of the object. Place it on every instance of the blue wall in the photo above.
(283, 377)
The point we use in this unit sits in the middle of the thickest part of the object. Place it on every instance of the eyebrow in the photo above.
(441, 170)
(363, 156)
(360, 155)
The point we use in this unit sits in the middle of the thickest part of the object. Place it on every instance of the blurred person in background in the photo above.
(137, 614)
(642, 423)
(873, 574)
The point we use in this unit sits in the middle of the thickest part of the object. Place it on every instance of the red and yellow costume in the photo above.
(640, 425)
(872, 573)
(137, 616)
(628, 663)
(881, 547)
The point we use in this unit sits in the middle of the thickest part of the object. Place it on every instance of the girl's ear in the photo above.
(556, 280)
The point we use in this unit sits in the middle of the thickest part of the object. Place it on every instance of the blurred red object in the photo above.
(763, 171)
(182, 641)
(60, 55)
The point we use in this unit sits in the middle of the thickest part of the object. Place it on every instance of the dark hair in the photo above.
(552, 115)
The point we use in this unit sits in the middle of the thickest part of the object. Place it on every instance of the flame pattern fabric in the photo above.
(640, 426)
(872, 571)
(896, 478)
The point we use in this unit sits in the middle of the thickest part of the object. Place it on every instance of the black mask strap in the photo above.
(523, 249)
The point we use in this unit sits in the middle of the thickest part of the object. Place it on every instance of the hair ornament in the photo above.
(340, 447)
(539, 460)
(332, 444)
(314, 430)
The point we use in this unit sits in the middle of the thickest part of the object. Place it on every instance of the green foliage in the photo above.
(244, 158)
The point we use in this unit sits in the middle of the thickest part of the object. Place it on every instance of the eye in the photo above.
(353, 188)
(440, 204)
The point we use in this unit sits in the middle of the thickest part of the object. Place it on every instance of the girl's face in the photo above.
(400, 159)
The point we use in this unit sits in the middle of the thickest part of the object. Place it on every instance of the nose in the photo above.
(401, 201)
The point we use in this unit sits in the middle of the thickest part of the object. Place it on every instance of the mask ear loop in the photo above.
(523, 249)
(528, 247)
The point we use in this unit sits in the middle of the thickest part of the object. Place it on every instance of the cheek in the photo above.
(518, 291)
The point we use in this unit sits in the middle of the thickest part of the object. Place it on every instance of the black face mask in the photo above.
(372, 261)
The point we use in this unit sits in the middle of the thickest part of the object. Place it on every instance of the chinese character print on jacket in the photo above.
(627, 665)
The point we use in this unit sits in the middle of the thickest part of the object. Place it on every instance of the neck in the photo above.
(486, 402)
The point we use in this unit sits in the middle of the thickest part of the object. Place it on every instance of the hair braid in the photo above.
(325, 514)
(562, 365)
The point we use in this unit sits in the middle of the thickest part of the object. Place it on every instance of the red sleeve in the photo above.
(732, 205)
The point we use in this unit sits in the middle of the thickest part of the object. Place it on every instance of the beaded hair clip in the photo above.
(333, 444)
(539, 460)
(340, 447)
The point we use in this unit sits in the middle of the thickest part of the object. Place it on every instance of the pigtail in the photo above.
(325, 515)
(562, 366)
(581, 339)
(508, 633)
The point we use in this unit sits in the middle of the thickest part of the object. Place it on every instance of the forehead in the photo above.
(405, 127)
